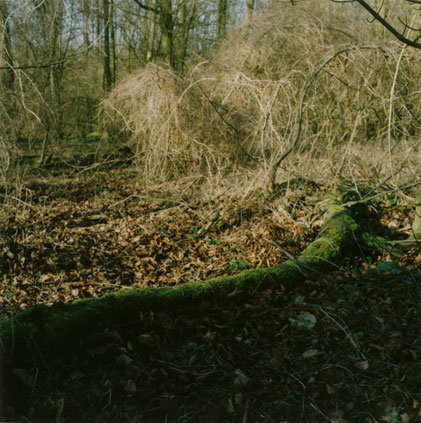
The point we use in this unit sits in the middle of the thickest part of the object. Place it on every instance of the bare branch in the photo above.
(143, 6)
(35, 66)
(388, 26)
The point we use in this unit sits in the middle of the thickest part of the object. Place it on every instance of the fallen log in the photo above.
(43, 329)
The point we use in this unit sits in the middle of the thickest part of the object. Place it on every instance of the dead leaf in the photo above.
(404, 418)
(124, 360)
(241, 378)
(307, 321)
(362, 365)
(23, 376)
(60, 407)
(311, 353)
(130, 388)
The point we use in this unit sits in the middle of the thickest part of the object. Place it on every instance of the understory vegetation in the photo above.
(223, 165)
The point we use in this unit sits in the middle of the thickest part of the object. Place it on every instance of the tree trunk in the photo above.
(167, 25)
(249, 12)
(180, 40)
(107, 78)
(87, 17)
(98, 26)
(6, 57)
(45, 143)
(222, 19)
(184, 23)
(56, 70)
(113, 43)
(151, 33)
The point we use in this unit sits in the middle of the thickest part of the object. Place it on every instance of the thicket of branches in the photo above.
(311, 90)
(354, 100)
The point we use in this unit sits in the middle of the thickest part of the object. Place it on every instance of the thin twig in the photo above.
(301, 104)
(380, 194)
(146, 197)
(229, 124)
(18, 200)
(302, 269)
(347, 332)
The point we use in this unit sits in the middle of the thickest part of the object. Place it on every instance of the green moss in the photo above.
(55, 328)
(93, 136)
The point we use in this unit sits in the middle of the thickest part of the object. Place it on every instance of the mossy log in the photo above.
(416, 227)
(56, 328)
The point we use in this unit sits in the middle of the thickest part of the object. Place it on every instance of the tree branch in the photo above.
(142, 6)
(388, 26)
(36, 66)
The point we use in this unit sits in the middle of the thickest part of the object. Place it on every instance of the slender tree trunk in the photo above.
(107, 77)
(98, 26)
(184, 37)
(249, 12)
(167, 25)
(130, 47)
(6, 56)
(222, 19)
(182, 25)
(151, 33)
(45, 143)
(55, 74)
(55, 53)
(113, 43)
(86, 16)
(86, 32)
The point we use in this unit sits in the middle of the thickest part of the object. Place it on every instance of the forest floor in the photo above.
(343, 347)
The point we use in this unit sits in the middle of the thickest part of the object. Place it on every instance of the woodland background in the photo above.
(165, 251)
(200, 89)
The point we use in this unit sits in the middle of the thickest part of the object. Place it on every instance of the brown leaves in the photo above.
(345, 346)
(65, 249)
(246, 355)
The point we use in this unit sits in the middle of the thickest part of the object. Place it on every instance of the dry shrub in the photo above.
(148, 108)
(346, 109)
(294, 70)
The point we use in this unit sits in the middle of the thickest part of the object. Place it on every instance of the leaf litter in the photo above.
(342, 348)
(89, 239)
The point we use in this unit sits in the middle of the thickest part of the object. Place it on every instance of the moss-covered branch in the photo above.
(43, 328)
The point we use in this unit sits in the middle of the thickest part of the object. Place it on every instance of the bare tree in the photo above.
(107, 13)
(6, 56)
